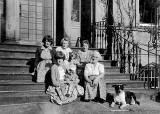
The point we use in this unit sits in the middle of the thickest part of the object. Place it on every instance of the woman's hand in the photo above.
(89, 81)
(95, 81)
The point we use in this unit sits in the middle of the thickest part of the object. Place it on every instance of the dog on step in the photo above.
(123, 98)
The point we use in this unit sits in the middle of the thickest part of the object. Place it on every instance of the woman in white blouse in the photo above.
(64, 48)
(94, 86)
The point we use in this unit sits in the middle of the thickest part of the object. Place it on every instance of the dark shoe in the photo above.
(101, 101)
(87, 100)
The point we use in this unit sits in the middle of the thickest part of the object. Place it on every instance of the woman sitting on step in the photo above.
(64, 48)
(60, 90)
(95, 88)
(84, 57)
(44, 58)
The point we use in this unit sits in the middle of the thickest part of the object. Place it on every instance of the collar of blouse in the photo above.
(46, 48)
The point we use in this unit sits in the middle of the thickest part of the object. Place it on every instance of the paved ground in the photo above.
(147, 107)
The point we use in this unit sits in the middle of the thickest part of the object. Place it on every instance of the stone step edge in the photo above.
(27, 66)
(14, 65)
(17, 51)
(23, 94)
(106, 73)
(108, 81)
(13, 58)
(21, 91)
(31, 45)
(23, 58)
(123, 81)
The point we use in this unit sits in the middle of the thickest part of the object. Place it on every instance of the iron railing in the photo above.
(127, 54)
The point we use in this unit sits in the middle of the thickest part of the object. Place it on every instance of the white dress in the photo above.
(92, 91)
(44, 65)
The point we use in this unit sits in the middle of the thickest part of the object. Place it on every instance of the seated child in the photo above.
(71, 75)
(72, 78)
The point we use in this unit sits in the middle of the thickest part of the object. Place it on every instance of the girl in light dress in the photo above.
(44, 58)
(59, 88)
(72, 73)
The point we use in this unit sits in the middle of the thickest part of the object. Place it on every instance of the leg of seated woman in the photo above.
(102, 89)
(90, 91)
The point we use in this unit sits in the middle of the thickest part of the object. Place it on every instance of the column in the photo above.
(68, 4)
(54, 21)
(12, 19)
(137, 15)
(1, 19)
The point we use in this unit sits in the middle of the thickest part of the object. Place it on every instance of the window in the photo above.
(147, 11)
(35, 19)
(75, 17)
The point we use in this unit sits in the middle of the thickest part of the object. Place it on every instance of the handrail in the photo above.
(126, 52)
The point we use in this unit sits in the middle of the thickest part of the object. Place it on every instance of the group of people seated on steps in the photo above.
(72, 73)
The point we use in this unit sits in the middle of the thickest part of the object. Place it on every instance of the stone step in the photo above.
(28, 85)
(116, 76)
(18, 47)
(8, 98)
(28, 76)
(20, 85)
(15, 68)
(30, 48)
(106, 62)
(112, 69)
(18, 61)
(16, 77)
(128, 83)
(140, 90)
(28, 61)
(16, 54)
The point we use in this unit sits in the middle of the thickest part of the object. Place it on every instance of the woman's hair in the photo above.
(85, 42)
(59, 55)
(47, 38)
(64, 39)
(97, 54)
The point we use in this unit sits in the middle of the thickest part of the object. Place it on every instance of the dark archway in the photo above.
(59, 22)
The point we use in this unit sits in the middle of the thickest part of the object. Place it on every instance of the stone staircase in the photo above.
(16, 85)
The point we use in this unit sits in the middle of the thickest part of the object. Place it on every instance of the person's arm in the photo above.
(53, 56)
(79, 57)
(86, 73)
(58, 49)
(37, 57)
(53, 76)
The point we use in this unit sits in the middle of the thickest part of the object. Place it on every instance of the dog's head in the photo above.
(118, 88)
(72, 55)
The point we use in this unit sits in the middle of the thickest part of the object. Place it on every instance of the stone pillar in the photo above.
(137, 18)
(68, 4)
(12, 19)
(1, 19)
(54, 21)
